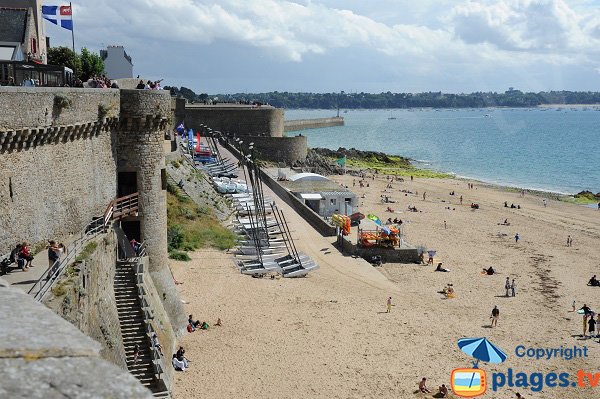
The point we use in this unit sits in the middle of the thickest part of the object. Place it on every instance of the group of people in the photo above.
(194, 325)
(512, 206)
(179, 361)
(442, 389)
(590, 320)
(102, 82)
(149, 85)
(22, 256)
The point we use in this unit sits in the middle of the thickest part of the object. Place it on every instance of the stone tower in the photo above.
(141, 168)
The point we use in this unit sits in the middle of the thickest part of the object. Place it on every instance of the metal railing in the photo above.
(157, 361)
(51, 275)
(116, 209)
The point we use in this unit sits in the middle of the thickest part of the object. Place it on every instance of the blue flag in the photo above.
(59, 15)
(180, 128)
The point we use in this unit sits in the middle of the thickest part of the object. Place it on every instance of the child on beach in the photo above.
(517, 237)
(423, 387)
(389, 305)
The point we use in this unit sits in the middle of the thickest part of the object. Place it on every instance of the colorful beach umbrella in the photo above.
(482, 350)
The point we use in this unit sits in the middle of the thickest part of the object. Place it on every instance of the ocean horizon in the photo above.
(547, 149)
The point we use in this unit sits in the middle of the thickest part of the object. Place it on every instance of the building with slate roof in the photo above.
(22, 36)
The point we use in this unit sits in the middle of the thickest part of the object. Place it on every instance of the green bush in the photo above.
(61, 101)
(179, 255)
(174, 237)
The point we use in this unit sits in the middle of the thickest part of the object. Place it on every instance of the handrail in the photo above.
(116, 209)
(157, 361)
(52, 273)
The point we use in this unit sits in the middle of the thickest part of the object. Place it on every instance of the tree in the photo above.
(64, 56)
(91, 65)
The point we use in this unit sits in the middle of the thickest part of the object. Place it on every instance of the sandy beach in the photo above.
(328, 336)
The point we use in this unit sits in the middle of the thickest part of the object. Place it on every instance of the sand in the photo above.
(328, 336)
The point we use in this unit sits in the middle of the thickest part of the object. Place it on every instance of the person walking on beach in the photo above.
(545, 202)
(507, 285)
(569, 241)
(495, 316)
(517, 237)
(445, 225)
(424, 194)
(592, 326)
(460, 199)
(513, 287)
(389, 305)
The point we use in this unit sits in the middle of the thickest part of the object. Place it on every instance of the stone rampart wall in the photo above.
(35, 107)
(279, 149)
(301, 124)
(238, 121)
(57, 167)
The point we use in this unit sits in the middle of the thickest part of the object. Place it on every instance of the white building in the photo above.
(117, 64)
(320, 194)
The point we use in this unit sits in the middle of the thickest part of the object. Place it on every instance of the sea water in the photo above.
(552, 149)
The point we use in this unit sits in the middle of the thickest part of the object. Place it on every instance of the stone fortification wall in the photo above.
(238, 121)
(301, 124)
(57, 169)
(88, 301)
(279, 149)
(144, 120)
(46, 357)
(35, 107)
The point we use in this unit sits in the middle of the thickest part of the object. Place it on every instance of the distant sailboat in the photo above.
(391, 117)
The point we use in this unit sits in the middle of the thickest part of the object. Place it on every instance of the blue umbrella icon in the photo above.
(482, 350)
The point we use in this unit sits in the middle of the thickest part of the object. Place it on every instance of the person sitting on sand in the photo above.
(439, 268)
(593, 282)
(204, 326)
(443, 390)
(193, 323)
(423, 387)
(489, 271)
(389, 210)
(218, 323)
(505, 204)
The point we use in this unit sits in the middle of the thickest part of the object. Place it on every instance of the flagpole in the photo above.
(73, 42)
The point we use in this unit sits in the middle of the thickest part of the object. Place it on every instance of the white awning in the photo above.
(311, 196)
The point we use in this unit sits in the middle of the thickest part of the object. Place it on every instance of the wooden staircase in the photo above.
(134, 329)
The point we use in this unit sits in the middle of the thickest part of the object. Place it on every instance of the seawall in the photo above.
(301, 124)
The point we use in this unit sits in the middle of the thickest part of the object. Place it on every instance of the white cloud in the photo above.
(431, 37)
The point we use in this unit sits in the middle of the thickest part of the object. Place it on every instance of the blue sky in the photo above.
(230, 46)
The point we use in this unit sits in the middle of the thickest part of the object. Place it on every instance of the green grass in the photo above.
(179, 255)
(87, 251)
(190, 227)
(398, 167)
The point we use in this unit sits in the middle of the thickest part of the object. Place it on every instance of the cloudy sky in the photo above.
(229, 46)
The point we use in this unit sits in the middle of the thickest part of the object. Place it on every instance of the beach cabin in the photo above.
(320, 194)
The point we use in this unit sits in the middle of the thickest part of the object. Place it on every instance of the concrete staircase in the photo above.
(134, 329)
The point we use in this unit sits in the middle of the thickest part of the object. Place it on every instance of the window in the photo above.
(33, 46)
(333, 201)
